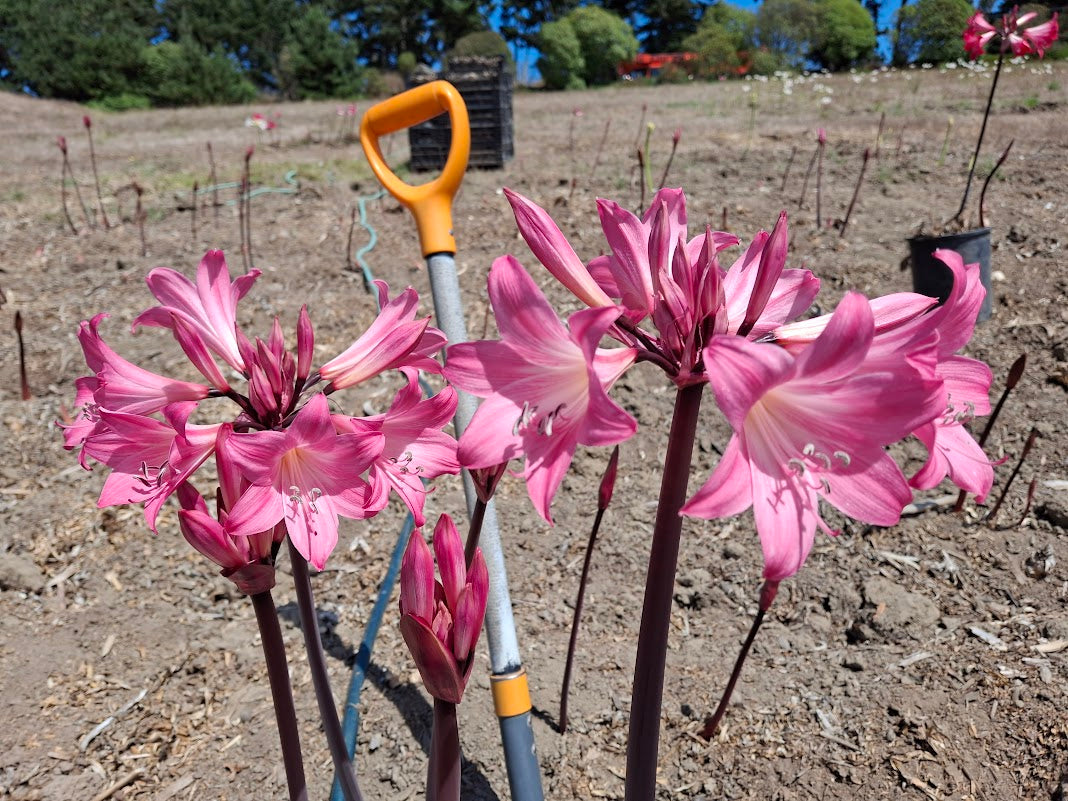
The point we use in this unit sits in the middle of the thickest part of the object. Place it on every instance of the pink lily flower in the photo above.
(811, 427)
(441, 620)
(394, 339)
(906, 323)
(149, 459)
(208, 307)
(307, 476)
(414, 446)
(552, 249)
(545, 384)
(1021, 40)
(121, 386)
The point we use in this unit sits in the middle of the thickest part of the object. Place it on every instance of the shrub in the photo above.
(481, 43)
(183, 74)
(844, 35)
(561, 63)
(605, 38)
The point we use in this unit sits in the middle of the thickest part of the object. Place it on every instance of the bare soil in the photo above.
(924, 661)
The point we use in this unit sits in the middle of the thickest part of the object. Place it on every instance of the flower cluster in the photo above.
(812, 403)
(1011, 33)
(286, 465)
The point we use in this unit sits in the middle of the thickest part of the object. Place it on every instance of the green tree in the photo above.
(561, 62)
(77, 51)
(844, 35)
(316, 61)
(663, 24)
(716, 50)
(605, 40)
(252, 32)
(930, 31)
(182, 74)
(787, 28)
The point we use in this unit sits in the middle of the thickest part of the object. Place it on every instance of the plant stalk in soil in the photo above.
(96, 177)
(274, 653)
(982, 133)
(443, 769)
(643, 739)
(309, 624)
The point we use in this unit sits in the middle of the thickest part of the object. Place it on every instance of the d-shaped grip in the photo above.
(429, 203)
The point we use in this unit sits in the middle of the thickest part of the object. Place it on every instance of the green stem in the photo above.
(274, 654)
(643, 740)
(982, 133)
(335, 739)
(443, 771)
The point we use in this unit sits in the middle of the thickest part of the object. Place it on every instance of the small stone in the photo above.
(375, 743)
(19, 574)
(898, 610)
(732, 550)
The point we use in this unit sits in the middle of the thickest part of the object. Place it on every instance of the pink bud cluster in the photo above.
(441, 620)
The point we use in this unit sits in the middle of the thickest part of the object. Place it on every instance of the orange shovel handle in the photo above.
(429, 203)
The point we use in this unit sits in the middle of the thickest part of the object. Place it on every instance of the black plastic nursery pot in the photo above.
(933, 278)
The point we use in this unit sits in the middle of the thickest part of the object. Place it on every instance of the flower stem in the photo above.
(982, 132)
(474, 532)
(274, 653)
(320, 678)
(643, 739)
(767, 595)
(443, 771)
(579, 600)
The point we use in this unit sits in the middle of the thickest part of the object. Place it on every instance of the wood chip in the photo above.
(1051, 647)
(992, 640)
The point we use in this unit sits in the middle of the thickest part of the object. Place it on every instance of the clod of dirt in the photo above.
(20, 574)
(898, 611)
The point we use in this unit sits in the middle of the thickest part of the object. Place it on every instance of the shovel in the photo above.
(431, 205)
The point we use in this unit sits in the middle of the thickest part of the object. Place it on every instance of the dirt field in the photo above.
(924, 661)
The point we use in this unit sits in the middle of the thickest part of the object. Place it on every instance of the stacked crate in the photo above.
(485, 84)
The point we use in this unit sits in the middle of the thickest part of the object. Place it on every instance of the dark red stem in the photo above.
(274, 654)
(856, 191)
(643, 740)
(96, 177)
(443, 770)
(1015, 472)
(982, 133)
(767, 595)
(22, 358)
(575, 618)
(309, 624)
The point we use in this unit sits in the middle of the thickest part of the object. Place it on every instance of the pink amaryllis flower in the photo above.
(149, 459)
(414, 447)
(544, 384)
(395, 339)
(905, 321)
(809, 427)
(1021, 40)
(207, 307)
(655, 272)
(441, 620)
(306, 475)
(122, 386)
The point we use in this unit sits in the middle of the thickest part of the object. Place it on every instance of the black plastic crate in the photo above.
(485, 84)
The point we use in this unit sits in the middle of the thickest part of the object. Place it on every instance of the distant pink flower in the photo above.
(414, 446)
(208, 307)
(1021, 40)
(811, 427)
(441, 620)
(545, 384)
(395, 339)
(306, 475)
